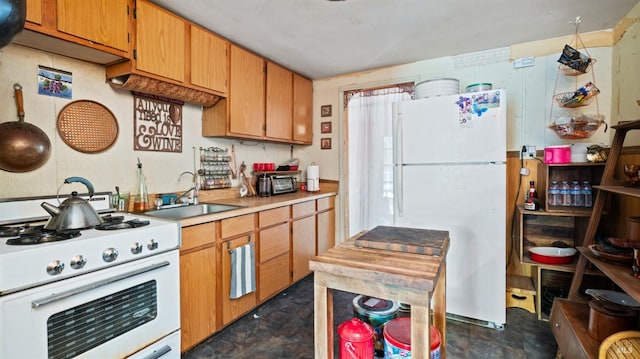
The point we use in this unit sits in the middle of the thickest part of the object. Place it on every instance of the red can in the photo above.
(356, 339)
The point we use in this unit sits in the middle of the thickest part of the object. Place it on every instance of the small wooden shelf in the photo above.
(569, 320)
(620, 274)
(623, 190)
(277, 172)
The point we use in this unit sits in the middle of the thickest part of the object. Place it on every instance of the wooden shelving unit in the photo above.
(567, 318)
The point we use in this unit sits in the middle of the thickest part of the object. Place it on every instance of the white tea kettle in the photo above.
(74, 213)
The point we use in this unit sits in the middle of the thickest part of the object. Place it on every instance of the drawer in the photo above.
(569, 323)
(274, 241)
(274, 276)
(199, 235)
(234, 226)
(326, 203)
(303, 209)
(273, 216)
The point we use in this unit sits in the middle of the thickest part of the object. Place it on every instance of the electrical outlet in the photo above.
(524, 171)
(531, 150)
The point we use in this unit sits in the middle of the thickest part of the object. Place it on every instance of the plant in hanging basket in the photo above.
(579, 127)
(581, 97)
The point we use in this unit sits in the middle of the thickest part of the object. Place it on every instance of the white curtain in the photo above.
(370, 153)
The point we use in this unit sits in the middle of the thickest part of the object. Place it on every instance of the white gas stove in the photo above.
(132, 259)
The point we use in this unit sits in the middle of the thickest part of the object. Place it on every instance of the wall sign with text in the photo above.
(157, 124)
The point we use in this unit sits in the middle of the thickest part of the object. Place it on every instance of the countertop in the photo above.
(256, 204)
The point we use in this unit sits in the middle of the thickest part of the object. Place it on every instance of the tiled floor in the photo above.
(283, 328)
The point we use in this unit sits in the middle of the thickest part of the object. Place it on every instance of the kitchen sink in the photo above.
(191, 210)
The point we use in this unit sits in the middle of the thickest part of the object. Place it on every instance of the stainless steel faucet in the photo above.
(194, 188)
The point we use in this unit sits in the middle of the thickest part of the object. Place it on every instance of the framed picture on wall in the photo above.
(325, 143)
(325, 111)
(325, 127)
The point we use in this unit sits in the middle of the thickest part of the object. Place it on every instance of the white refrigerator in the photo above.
(449, 157)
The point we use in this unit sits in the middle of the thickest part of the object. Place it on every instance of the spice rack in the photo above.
(214, 168)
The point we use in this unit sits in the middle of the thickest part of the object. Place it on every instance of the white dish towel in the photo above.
(243, 271)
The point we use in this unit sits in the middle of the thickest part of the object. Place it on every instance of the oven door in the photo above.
(110, 313)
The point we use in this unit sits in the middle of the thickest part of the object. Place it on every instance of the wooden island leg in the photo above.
(323, 320)
(440, 308)
(420, 331)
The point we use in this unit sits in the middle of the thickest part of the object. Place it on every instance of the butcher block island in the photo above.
(397, 272)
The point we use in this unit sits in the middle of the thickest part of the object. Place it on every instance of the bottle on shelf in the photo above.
(141, 197)
(554, 194)
(565, 194)
(532, 202)
(577, 196)
(587, 192)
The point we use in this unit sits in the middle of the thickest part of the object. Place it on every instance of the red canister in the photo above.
(356, 339)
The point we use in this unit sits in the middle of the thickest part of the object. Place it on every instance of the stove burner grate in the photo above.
(44, 236)
(117, 222)
(14, 231)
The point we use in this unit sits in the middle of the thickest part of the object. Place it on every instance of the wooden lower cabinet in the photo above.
(198, 278)
(285, 239)
(274, 254)
(274, 276)
(326, 224)
(233, 308)
(569, 323)
(303, 238)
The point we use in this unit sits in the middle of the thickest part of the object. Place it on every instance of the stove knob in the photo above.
(136, 248)
(110, 254)
(152, 245)
(55, 268)
(78, 262)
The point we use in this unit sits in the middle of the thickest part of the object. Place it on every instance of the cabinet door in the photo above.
(274, 241)
(302, 109)
(197, 296)
(209, 61)
(233, 308)
(160, 41)
(326, 230)
(274, 276)
(34, 11)
(279, 102)
(198, 279)
(246, 93)
(303, 246)
(102, 21)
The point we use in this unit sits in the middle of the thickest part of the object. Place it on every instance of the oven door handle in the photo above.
(158, 353)
(66, 294)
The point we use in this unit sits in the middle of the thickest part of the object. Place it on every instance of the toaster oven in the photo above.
(282, 184)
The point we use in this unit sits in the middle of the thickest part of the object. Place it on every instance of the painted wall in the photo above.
(529, 90)
(117, 165)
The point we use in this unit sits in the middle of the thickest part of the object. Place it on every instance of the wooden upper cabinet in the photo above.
(209, 60)
(101, 21)
(302, 109)
(34, 11)
(160, 41)
(246, 93)
(279, 102)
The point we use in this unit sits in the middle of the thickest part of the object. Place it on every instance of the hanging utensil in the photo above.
(23, 146)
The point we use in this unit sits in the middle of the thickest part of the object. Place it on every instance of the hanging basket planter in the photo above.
(578, 98)
(579, 128)
(574, 62)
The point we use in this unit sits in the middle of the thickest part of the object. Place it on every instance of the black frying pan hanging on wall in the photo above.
(12, 17)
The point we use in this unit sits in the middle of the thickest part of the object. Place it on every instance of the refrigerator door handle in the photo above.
(396, 126)
(397, 189)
